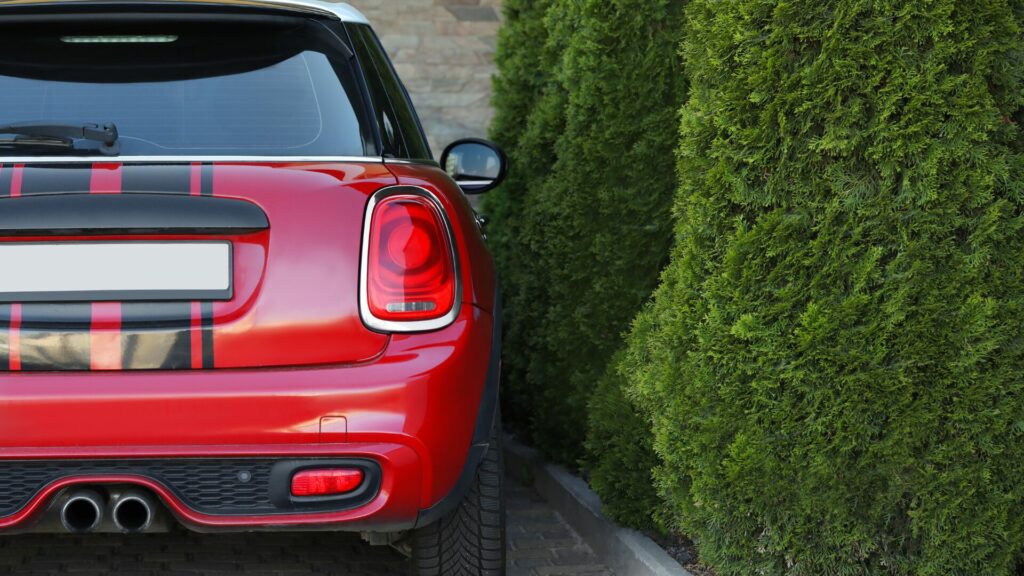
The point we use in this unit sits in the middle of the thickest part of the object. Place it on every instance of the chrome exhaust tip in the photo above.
(133, 512)
(82, 512)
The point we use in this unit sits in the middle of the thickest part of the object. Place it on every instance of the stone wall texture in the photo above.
(444, 52)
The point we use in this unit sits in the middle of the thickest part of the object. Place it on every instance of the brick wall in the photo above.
(444, 52)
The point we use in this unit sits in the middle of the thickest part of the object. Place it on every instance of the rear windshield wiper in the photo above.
(62, 135)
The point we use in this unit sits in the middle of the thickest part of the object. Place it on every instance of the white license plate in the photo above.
(114, 271)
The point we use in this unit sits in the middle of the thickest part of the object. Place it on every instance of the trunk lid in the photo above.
(294, 276)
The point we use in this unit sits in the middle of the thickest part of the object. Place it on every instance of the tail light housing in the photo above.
(410, 273)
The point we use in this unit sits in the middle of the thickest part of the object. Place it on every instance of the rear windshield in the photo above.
(173, 88)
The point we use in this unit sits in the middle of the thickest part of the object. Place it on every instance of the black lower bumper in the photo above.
(212, 486)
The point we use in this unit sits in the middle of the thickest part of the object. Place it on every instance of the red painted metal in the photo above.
(307, 307)
(296, 285)
(298, 374)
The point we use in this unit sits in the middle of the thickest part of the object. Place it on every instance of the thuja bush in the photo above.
(833, 363)
(529, 106)
(610, 199)
(597, 228)
(620, 457)
(520, 81)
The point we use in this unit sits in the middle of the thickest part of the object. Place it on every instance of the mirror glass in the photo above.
(473, 161)
(476, 165)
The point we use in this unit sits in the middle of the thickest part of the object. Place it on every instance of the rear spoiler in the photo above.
(329, 10)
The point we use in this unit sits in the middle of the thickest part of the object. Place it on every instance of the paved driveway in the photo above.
(540, 544)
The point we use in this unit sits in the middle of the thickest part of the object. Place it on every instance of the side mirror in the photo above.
(477, 166)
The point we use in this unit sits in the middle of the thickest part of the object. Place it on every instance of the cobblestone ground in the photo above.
(540, 544)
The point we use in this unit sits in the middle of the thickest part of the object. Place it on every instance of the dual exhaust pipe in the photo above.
(132, 511)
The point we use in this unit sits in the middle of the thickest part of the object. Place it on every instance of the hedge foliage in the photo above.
(620, 454)
(833, 363)
(594, 180)
(529, 108)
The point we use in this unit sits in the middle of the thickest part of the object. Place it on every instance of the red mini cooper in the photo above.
(236, 292)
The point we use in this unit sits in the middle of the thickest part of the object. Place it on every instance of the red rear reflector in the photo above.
(410, 273)
(326, 482)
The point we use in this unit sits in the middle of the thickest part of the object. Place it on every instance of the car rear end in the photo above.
(266, 308)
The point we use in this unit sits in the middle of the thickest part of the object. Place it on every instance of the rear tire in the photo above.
(470, 541)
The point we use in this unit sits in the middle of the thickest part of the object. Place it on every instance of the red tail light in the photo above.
(410, 272)
(326, 482)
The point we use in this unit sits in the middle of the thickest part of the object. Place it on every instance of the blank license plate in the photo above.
(114, 271)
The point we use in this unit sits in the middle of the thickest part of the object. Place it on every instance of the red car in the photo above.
(236, 291)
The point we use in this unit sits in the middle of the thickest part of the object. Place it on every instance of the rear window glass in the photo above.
(188, 89)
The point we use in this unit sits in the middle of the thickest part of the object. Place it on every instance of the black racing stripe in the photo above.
(206, 308)
(55, 337)
(206, 186)
(156, 315)
(6, 175)
(5, 337)
(52, 316)
(159, 178)
(206, 324)
(54, 178)
(156, 336)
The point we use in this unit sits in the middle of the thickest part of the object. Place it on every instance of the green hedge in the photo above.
(620, 454)
(834, 362)
(594, 180)
(529, 107)
(603, 218)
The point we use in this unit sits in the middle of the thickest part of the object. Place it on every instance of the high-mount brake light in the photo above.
(163, 39)
(411, 276)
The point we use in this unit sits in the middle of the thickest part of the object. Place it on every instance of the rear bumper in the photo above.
(415, 412)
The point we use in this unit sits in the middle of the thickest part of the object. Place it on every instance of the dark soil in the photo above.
(684, 551)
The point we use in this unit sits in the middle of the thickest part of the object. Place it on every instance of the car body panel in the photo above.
(423, 393)
(295, 298)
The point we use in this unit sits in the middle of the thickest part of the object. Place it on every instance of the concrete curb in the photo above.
(627, 552)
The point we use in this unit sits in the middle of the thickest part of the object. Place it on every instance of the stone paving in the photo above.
(540, 544)
(444, 52)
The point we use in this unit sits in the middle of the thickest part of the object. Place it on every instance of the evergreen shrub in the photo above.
(833, 364)
(529, 106)
(587, 105)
